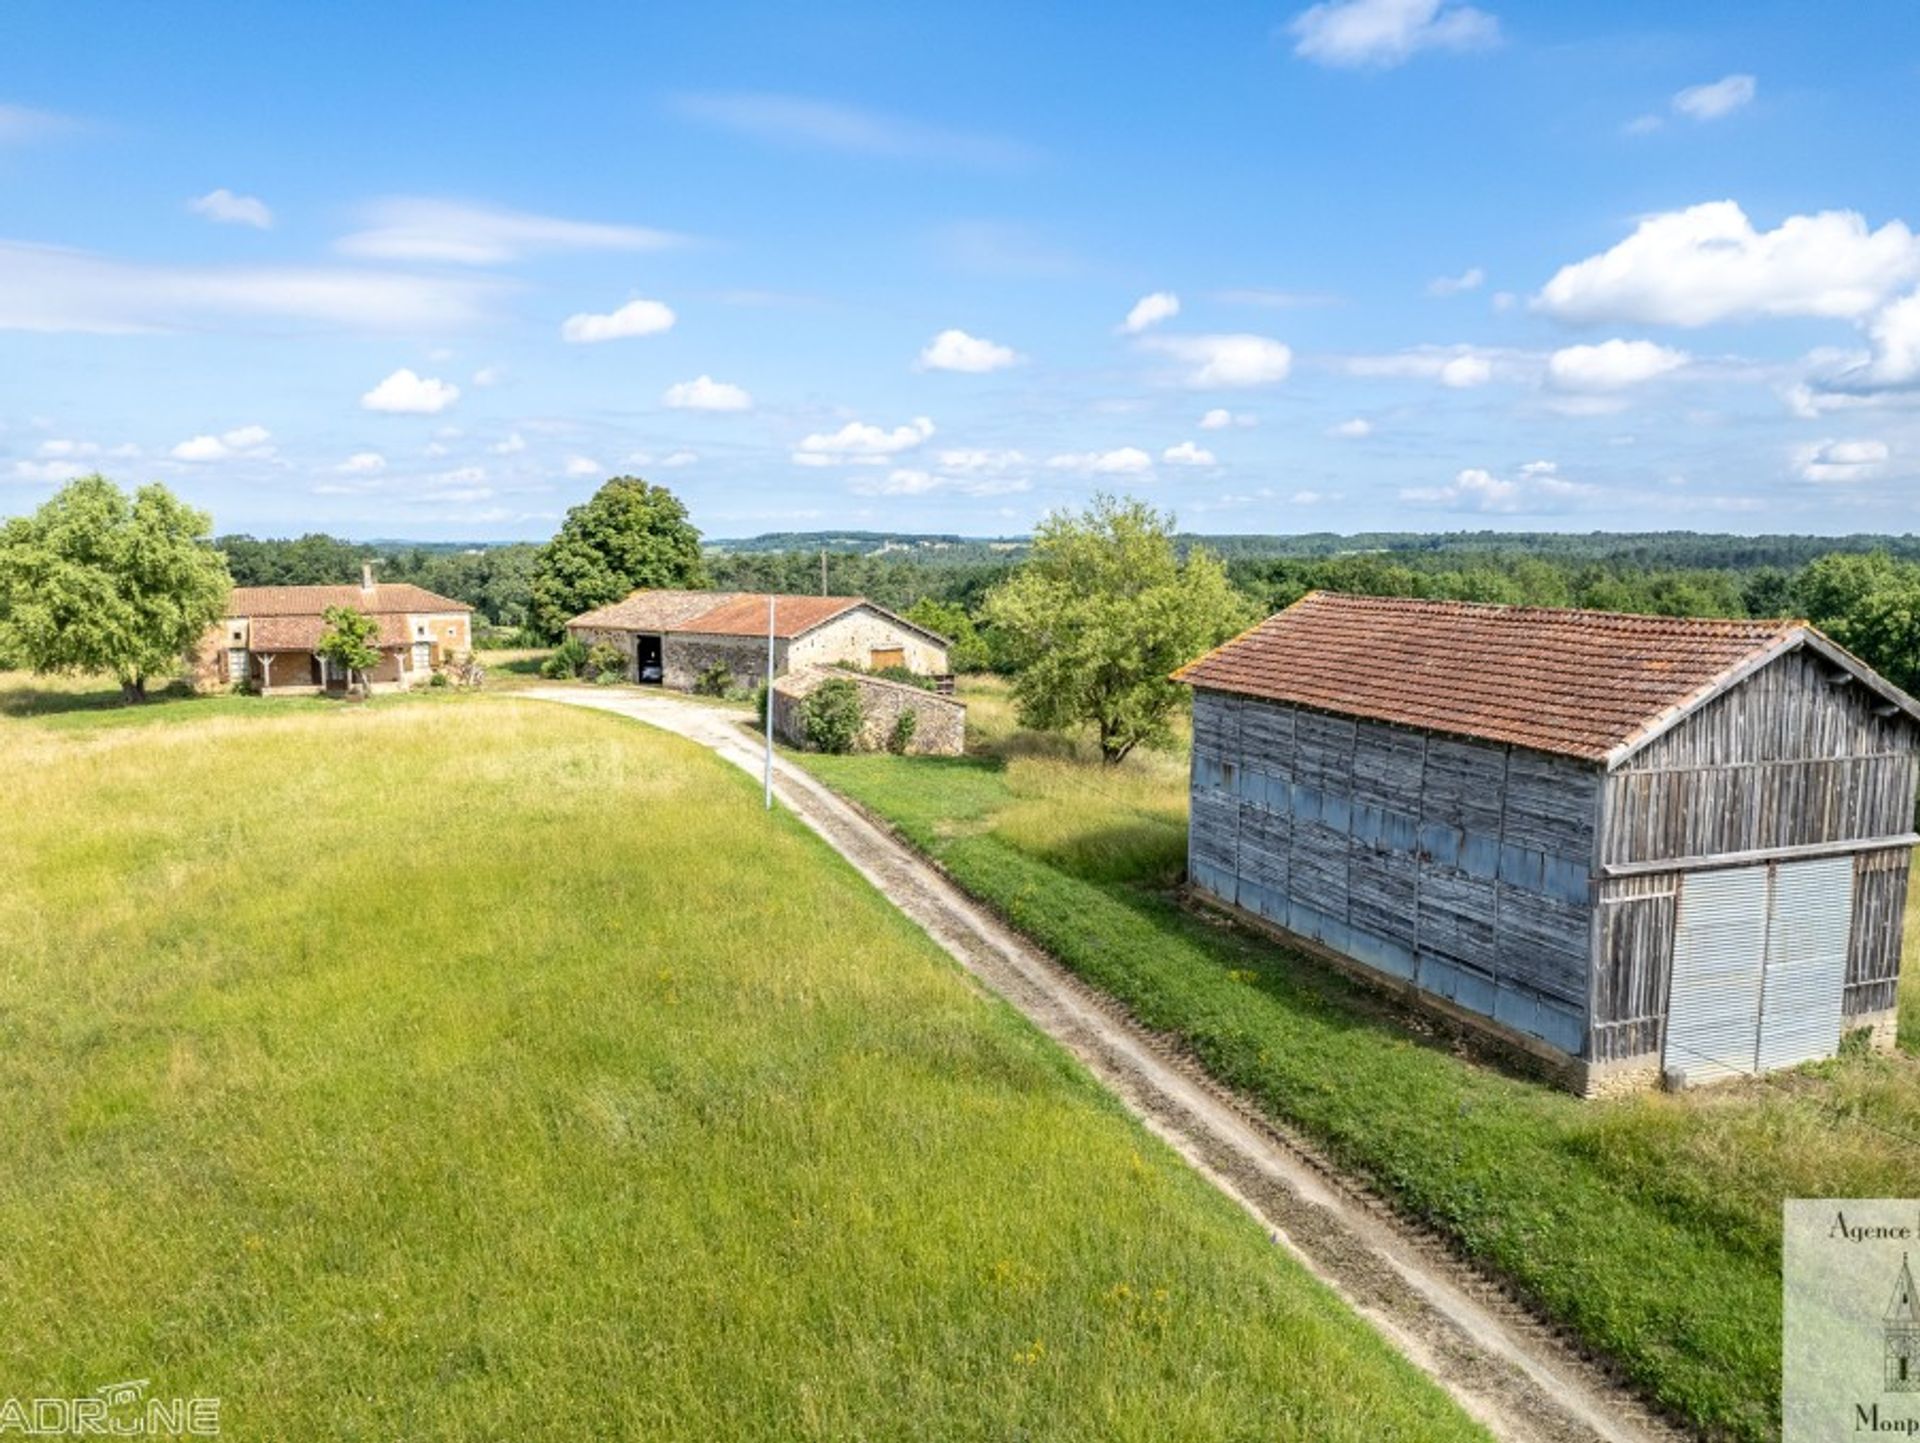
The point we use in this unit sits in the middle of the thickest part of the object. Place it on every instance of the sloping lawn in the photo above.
(490, 1070)
(1650, 1226)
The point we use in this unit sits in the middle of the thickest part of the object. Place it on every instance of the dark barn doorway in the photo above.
(646, 660)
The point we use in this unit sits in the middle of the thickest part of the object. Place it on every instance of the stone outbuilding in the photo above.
(677, 638)
(1634, 847)
(940, 722)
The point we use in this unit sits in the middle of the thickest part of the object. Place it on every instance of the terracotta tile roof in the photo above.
(303, 633)
(390, 597)
(747, 615)
(732, 613)
(1579, 683)
(657, 610)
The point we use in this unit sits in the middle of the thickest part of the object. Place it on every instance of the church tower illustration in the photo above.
(1902, 1327)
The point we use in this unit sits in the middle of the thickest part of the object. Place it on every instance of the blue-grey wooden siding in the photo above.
(1463, 867)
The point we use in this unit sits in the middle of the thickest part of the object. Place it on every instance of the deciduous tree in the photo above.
(629, 535)
(97, 581)
(1101, 615)
(348, 642)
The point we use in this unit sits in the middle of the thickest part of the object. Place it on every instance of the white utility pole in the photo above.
(769, 779)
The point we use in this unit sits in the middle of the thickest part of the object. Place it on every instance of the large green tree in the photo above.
(1869, 604)
(629, 535)
(1100, 616)
(99, 581)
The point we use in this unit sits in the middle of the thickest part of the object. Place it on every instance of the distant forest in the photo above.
(1864, 590)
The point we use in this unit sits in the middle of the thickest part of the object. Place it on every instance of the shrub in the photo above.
(439, 678)
(832, 714)
(607, 678)
(760, 704)
(569, 659)
(904, 726)
(906, 676)
(716, 680)
(606, 660)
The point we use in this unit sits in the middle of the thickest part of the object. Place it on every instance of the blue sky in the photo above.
(436, 271)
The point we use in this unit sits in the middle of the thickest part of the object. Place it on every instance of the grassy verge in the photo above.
(1650, 1226)
(485, 1070)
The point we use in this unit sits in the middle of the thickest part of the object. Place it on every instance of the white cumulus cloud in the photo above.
(224, 206)
(1351, 430)
(955, 350)
(1707, 263)
(1721, 98)
(703, 393)
(858, 443)
(1612, 365)
(512, 444)
(583, 466)
(1188, 454)
(1150, 310)
(1471, 279)
(1354, 34)
(1842, 460)
(1221, 419)
(1229, 361)
(1457, 367)
(635, 318)
(363, 463)
(250, 443)
(406, 393)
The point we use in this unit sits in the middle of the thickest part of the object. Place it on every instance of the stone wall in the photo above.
(940, 728)
(856, 635)
(685, 659)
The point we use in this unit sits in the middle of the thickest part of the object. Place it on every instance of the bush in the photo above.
(832, 715)
(439, 678)
(760, 704)
(569, 659)
(604, 661)
(906, 676)
(904, 726)
(607, 678)
(716, 680)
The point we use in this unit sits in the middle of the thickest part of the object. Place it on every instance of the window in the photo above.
(886, 656)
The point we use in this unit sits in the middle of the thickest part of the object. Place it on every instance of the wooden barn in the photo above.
(1635, 847)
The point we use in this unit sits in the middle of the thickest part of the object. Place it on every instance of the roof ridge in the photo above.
(1529, 609)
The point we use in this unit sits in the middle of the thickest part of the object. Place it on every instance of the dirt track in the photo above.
(1506, 1368)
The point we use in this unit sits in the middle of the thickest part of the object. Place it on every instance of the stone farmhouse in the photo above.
(1635, 848)
(268, 636)
(675, 638)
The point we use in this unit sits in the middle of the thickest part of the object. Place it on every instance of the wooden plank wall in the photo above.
(1879, 915)
(1464, 867)
(1784, 758)
(1633, 965)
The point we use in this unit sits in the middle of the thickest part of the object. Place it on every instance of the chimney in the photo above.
(366, 576)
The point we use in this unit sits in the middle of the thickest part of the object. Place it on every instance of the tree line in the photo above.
(102, 580)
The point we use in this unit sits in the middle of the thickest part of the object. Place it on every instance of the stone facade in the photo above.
(857, 636)
(940, 727)
(685, 659)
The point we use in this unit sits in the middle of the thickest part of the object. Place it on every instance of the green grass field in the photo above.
(467, 1068)
(1651, 1226)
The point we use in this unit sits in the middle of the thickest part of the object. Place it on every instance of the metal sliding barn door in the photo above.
(1807, 939)
(1759, 968)
(1719, 970)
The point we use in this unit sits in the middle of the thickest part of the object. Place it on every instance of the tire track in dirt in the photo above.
(1509, 1370)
